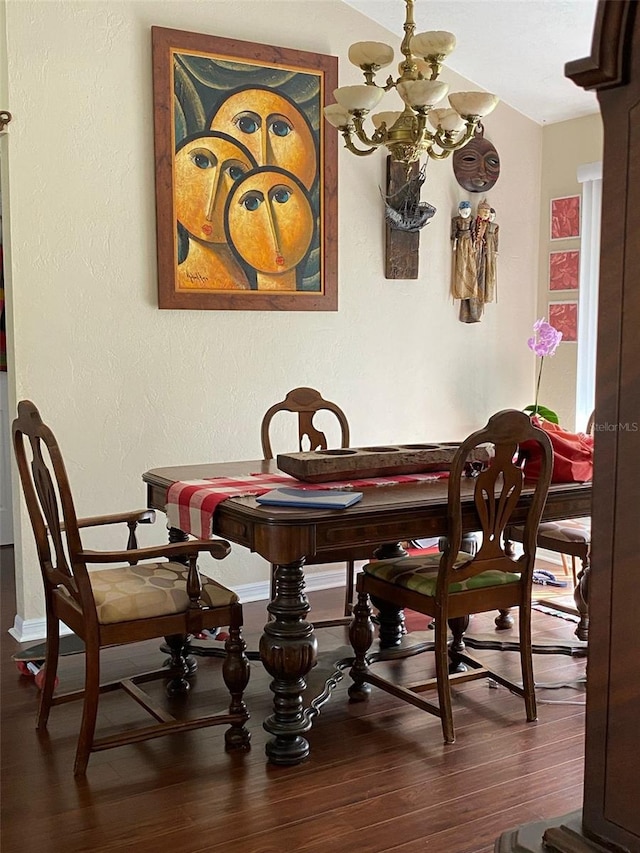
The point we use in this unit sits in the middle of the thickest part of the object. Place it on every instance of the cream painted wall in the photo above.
(127, 387)
(565, 146)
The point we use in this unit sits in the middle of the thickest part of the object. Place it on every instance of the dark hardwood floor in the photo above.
(379, 777)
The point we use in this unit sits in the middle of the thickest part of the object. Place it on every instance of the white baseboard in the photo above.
(313, 581)
(34, 630)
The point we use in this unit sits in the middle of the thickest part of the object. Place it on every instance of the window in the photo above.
(590, 176)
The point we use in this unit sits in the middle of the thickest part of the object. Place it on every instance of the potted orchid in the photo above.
(544, 342)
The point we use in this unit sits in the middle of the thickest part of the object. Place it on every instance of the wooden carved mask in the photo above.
(477, 165)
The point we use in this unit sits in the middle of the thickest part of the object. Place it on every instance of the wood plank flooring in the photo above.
(379, 777)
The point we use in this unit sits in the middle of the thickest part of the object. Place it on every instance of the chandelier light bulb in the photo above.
(389, 117)
(337, 115)
(421, 94)
(473, 104)
(447, 120)
(358, 98)
(434, 43)
(370, 54)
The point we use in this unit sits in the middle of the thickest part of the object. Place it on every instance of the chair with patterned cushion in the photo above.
(306, 403)
(165, 597)
(570, 537)
(454, 585)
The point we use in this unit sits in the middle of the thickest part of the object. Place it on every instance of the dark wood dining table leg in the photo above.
(581, 599)
(288, 651)
(390, 619)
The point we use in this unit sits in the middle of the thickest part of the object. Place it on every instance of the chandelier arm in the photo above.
(348, 143)
(438, 155)
(378, 138)
(454, 145)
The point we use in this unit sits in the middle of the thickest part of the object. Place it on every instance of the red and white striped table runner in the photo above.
(192, 503)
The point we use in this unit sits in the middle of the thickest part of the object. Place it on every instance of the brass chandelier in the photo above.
(406, 134)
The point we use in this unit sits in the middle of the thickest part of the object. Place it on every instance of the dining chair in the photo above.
(570, 538)
(454, 585)
(111, 606)
(306, 403)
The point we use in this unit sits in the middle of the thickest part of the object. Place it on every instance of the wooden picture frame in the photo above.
(564, 270)
(563, 316)
(246, 177)
(565, 217)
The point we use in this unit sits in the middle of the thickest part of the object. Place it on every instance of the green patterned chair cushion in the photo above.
(149, 589)
(420, 574)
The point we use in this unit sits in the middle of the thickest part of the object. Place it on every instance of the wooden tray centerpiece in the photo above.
(325, 466)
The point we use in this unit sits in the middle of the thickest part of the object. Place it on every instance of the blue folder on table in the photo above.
(315, 499)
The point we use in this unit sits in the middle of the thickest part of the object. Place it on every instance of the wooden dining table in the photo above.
(286, 536)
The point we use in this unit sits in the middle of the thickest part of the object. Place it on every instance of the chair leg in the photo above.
(348, 593)
(90, 707)
(565, 564)
(235, 672)
(361, 638)
(526, 660)
(50, 671)
(442, 678)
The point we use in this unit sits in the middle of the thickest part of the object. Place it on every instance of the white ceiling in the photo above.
(516, 49)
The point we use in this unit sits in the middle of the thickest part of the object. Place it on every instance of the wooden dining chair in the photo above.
(108, 606)
(571, 539)
(306, 403)
(452, 586)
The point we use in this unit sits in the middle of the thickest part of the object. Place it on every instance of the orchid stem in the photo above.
(535, 407)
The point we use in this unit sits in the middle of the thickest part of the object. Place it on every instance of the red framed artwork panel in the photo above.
(246, 179)
(565, 217)
(563, 316)
(564, 270)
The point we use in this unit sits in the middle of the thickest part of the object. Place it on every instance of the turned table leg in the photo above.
(390, 619)
(504, 619)
(581, 599)
(288, 650)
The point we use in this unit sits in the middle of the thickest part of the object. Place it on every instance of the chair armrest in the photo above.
(137, 516)
(218, 548)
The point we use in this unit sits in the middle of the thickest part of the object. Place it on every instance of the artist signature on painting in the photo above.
(197, 278)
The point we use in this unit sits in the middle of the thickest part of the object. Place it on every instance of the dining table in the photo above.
(392, 510)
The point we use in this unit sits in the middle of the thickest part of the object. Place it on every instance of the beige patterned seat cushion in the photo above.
(567, 530)
(420, 574)
(149, 589)
(572, 530)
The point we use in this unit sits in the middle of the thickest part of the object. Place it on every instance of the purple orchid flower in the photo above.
(544, 342)
(546, 339)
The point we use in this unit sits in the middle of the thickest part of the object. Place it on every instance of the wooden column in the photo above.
(610, 819)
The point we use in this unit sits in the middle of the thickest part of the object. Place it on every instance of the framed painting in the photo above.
(246, 179)
(564, 270)
(565, 217)
(563, 316)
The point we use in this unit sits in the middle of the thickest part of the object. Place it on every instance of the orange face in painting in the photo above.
(206, 170)
(272, 128)
(270, 221)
